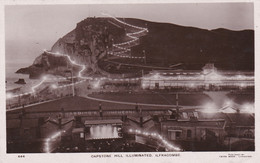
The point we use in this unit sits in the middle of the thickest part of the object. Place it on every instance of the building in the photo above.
(188, 128)
(209, 78)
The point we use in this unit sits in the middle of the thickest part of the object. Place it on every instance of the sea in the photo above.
(11, 77)
(19, 54)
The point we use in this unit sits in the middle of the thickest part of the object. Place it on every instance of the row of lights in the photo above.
(156, 136)
(71, 61)
(171, 73)
(10, 95)
(47, 144)
(54, 86)
(123, 22)
(157, 76)
(119, 53)
(128, 42)
(124, 56)
(237, 77)
(131, 35)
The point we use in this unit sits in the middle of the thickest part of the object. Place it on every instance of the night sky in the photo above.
(31, 28)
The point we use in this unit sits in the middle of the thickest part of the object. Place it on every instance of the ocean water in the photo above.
(11, 77)
(20, 53)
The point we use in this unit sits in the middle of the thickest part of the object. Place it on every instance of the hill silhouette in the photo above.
(164, 45)
(167, 44)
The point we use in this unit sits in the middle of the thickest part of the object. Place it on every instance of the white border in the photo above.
(86, 157)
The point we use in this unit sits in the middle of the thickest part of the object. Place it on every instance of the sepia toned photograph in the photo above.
(106, 78)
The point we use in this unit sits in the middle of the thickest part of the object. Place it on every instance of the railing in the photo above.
(91, 113)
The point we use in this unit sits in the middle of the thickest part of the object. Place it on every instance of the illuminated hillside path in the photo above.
(133, 39)
(136, 65)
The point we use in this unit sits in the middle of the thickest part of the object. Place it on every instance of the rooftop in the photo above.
(100, 122)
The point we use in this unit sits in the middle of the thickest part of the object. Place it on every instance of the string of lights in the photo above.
(92, 78)
(125, 56)
(48, 141)
(156, 136)
(122, 21)
(130, 35)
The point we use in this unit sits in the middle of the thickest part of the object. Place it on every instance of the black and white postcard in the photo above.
(101, 81)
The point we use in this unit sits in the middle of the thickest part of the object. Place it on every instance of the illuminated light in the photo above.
(192, 85)
(145, 133)
(47, 149)
(44, 78)
(242, 85)
(144, 85)
(248, 108)
(130, 35)
(55, 135)
(54, 86)
(200, 76)
(155, 76)
(47, 141)
(159, 138)
(153, 134)
(9, 95)
(73, 62)
(214, 76)
(228, 103)
(96, 85)
(209, 108)
(36, 86)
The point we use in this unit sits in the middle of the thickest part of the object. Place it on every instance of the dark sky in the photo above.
(30, 29)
